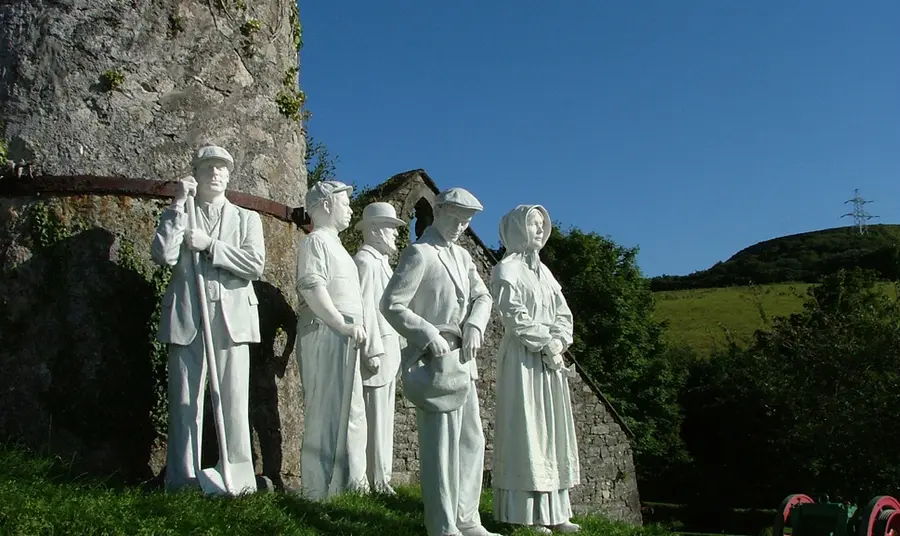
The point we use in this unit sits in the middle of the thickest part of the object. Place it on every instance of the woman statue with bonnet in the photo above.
(535, 451)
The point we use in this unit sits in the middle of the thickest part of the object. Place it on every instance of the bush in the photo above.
(806, 407)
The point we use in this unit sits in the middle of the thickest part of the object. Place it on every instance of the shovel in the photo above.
(226, 478)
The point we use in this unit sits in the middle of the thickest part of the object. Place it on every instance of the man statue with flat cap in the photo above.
(379, 225)
(233, 255)
(329, 332)
(438, 302)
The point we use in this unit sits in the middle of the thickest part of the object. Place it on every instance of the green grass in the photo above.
(40, 496)
(701, 317)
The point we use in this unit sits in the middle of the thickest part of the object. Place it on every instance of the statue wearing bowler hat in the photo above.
(379, 364)
(438, 302)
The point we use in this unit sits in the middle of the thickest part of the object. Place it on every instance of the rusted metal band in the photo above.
(93, 185)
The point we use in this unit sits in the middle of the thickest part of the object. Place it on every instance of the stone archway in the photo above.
(423, 216)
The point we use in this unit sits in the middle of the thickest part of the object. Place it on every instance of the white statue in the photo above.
(379, 370)
(209, 318)
(329, 332)
(535, 451)
(438, 302)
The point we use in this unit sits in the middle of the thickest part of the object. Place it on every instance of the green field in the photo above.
(701, 317)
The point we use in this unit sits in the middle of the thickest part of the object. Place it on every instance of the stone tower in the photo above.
(128, 88)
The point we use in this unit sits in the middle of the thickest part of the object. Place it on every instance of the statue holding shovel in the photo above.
(209, 317)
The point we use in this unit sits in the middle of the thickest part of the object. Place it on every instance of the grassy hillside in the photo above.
(40, 496)
(767, 279)
(700, 317)
(801, 257)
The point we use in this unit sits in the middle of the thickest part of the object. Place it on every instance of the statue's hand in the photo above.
(554, 362)
(197, 239)
(471, 343)
(355, 332)
(373, 364)
(554, 347)
(438, 346)
(185, 187)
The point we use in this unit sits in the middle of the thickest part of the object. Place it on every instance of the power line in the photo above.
(859, 215)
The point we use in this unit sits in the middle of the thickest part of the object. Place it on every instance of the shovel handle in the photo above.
(209, 351)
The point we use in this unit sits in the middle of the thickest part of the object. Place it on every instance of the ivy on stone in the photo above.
(3, 151)
(352, 238)
(47, 233)
(296, 27)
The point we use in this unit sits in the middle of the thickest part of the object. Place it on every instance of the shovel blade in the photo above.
(212, 482)
(241, 477)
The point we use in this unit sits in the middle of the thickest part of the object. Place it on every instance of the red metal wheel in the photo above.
(783, 514)
(888, 523)
(871, 522)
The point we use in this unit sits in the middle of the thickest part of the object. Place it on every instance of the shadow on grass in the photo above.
(42, 495)
(351, 514)
(21, 463)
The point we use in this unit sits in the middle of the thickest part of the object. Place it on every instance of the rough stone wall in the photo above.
(133, 88)
(608, 483)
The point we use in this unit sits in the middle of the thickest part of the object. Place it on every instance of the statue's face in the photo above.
(388, 236)
(535, 226)
(212, 177)
(340, 210)
(451, 221)
(383, 238)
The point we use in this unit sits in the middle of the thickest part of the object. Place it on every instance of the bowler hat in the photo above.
(379, 213)
(437, 383)
(213, 152)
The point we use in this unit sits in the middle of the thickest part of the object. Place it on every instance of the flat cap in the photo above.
(213, 152)
(323, 189)
(458, 197)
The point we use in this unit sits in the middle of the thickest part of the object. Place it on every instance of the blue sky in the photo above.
(689, 128)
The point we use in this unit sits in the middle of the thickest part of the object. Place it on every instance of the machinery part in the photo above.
(782, 516)
(880, 517)
(888, 523)
(94, 185)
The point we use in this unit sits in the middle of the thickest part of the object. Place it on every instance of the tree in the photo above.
(619, 342)
(807, 406)
(320, 165)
